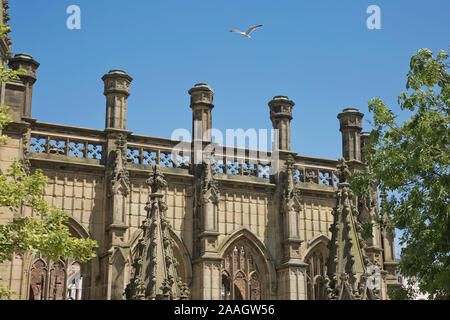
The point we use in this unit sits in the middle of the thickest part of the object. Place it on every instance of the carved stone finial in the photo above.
(156, 180)
(343, 171)
(290, 162)
(121, 142)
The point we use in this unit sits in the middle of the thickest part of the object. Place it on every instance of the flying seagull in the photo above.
(247, 34)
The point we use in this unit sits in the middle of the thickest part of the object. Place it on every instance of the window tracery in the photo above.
(49, 280)
(241, 278)
(316, 261)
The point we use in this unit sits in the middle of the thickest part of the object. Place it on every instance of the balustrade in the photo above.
(72, 147)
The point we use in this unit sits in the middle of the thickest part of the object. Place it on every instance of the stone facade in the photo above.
(236, 230)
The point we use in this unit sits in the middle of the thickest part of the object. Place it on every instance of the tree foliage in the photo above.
(410, 161)
(401, 293)
(45, 232)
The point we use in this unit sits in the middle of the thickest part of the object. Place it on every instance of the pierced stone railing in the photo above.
(316, 175)
(83, 143)
(64, 145)
(242, 166)
(316, 171)
(162, 156)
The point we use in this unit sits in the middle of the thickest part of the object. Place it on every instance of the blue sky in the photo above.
(319, 53)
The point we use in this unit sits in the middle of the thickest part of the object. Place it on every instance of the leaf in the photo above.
(410, 161)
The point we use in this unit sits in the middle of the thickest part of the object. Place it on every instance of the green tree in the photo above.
(410, 161)
(47, 232)
(401, 293)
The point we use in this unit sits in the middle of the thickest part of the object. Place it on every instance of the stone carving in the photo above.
(343, 171)
(119, 176)
(156, 276)
(291, 196)
(346, 265)
(208, 184)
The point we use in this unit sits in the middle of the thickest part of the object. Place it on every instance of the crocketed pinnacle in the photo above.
(346, 277)
(156, 267)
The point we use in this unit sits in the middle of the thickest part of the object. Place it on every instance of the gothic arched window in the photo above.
(241, 277)
(38, 280)
(57, 281)
(316, 269)
(255, 287)
(51, 280)
(226, 289)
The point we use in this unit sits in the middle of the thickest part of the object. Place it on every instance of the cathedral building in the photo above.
(231, 227)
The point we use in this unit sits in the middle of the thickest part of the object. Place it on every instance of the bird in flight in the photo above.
(247, 34)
